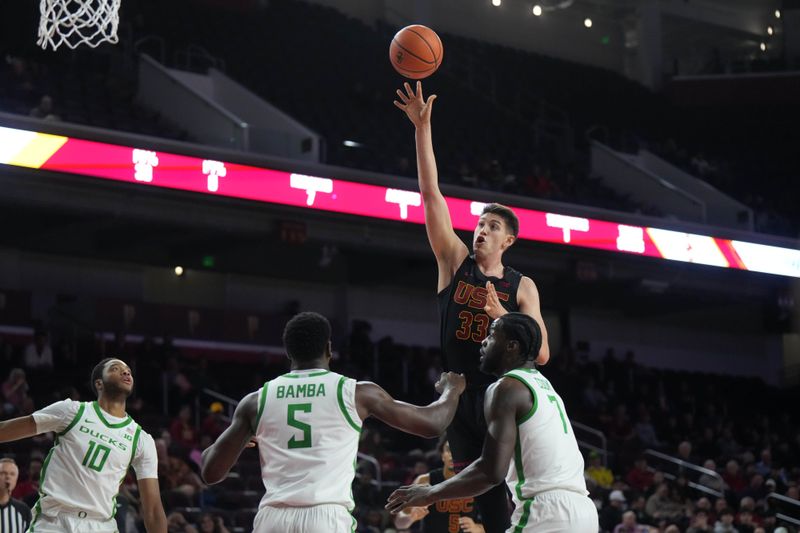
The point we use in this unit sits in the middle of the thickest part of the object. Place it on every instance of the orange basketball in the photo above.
(416, 52)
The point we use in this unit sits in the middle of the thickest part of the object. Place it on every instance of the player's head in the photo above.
(9, 473)
(307, 337)
(112, 377)
(514, 339)
(496, 231)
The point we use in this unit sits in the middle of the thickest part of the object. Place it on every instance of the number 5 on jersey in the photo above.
(291, 419)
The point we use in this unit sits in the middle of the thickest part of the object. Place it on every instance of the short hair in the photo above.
(306, 336)
(9, 460)
(506, 214)
(525, 330)
(97, 373)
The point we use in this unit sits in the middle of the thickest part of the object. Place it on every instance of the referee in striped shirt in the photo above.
(15, 516)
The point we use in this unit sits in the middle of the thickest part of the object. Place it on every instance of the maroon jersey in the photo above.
(463, 322)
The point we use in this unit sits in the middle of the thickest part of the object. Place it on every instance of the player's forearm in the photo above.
(155, 521)
(474, 480)
(426, 162)
(440, 413)
(17, 428)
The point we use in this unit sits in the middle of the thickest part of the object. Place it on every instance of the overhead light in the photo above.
(763, 47)
(537, 10)
(587, 22)
(352, 144)
(496, 3)
(777, 13)
(770, 30)
(179, 271)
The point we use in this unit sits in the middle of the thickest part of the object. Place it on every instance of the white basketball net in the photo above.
(77, 22)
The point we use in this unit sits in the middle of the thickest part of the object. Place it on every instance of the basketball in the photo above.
(416, 52)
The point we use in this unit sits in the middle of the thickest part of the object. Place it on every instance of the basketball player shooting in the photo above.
(473, 289)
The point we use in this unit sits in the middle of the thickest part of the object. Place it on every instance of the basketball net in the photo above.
(77, 22)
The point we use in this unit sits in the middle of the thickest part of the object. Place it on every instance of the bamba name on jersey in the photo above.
(306, 390)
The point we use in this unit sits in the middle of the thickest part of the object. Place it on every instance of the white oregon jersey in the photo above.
(546, 455)
(308, 431)
(87, 463)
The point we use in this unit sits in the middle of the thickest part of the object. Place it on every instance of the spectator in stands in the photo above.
(640, 477)
(685, 452)
(28, 488)
(598, 474)
(611, 514)
(733, 478)
(645, 432)
(212, 523)
(629, 525)
(13, 513)
(699, 523)
(182, 430)
(661, 506)
(744, 522)
(177, 523)
(764, 466)
(179, 483)
(756, 488)
(38, 354)
(214, 424)
(725, 522)
(638, 507)
(593, 397)
(15, 392)
(709, 480)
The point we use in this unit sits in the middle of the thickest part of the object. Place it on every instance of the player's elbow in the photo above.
(210, 472)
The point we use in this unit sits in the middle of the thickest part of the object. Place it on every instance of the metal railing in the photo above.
(602, 449)
(683, 465)
(786, 500)
(376, 479)
(229, 402)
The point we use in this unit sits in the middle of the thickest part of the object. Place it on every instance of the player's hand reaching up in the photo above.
(416, 108)
(493, 306)
(451, 381)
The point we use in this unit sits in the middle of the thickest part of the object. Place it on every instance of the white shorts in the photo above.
(70, 523)
(330, 518)
(555, 511)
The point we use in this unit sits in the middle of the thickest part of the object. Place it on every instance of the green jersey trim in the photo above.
(75, 420)
(262, 401)
(125, 473)
(524, 418)
(523, 520)
(311, 375)
(339, 395)
(106, 422)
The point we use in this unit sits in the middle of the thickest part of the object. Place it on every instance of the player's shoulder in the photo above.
(507, 389)
(67, 406)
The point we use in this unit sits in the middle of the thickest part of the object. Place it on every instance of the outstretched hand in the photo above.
(493, 306)
(416, 108)
(409, 496)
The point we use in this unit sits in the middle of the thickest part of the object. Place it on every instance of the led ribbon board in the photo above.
(160, 169)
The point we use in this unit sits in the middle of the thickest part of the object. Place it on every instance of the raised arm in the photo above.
(429, 421)
(219, 458)
(504, 401)
(449, 250)
(17, 428)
